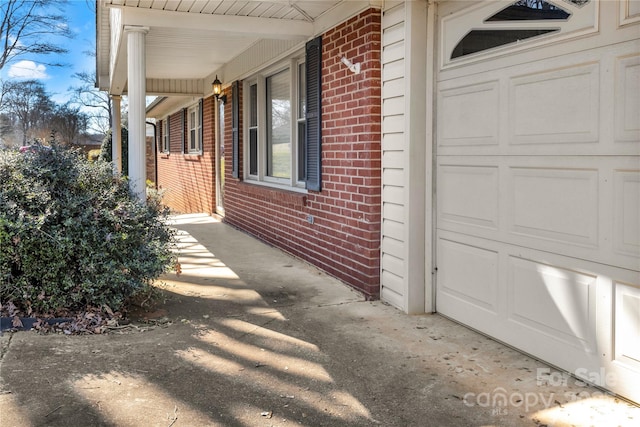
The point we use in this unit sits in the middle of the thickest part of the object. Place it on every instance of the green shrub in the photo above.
(107, 143)
(72, 236)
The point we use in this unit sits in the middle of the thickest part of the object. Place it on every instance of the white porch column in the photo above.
(116, 135)
(136, 75)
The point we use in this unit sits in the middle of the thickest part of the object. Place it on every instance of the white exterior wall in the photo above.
(406, 182)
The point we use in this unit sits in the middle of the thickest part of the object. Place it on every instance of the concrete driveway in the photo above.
(250, 336)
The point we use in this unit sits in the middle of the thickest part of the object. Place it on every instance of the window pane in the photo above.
(192, 130)
(480, 40)
(253, 105)
(165, 134)
(253, 151)
(279, 125)
(302, 150)
(302, 91)
(253, 129)
(578, 3)
(530, 10)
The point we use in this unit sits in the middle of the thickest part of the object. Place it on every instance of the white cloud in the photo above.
(28, 70)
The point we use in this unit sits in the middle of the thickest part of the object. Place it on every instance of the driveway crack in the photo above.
(335, 304)
(4, 348)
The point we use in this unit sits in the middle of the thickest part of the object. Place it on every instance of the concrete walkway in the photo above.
(250, 336)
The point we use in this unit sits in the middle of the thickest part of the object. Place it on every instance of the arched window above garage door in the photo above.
(534, 10)
(493, 27)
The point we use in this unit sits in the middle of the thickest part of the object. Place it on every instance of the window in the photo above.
(278, 115)
(282, 123)
(275, 130)
(481, 40)
(253, 129)
(518, 21)
(194, 126)
(302, 123)
(529, 10)
(165, 135)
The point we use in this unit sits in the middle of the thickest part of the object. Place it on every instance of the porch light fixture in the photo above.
(354, 68)
(217, 89)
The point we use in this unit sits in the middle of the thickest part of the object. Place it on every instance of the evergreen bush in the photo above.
(72, 236)
(107, 143)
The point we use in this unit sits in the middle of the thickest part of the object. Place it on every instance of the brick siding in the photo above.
(344, 236)
(187, 180)
(150, 160)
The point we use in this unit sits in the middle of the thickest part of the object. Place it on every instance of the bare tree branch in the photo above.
(27, 27)
(87, 95)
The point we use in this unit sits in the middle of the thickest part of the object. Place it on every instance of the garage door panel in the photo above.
(555, 204)
(584, 206)
(623, 368)
(532, 309)
(627, 109)
(553, 301)
(555, 107)
(629, 12)
(469, 115)
(627, 211)
(627, 324)
(584, 103)
(469, 196)
(475, 284)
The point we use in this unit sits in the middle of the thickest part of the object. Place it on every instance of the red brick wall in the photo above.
(187, 180)
(344, 238)
(150, 160)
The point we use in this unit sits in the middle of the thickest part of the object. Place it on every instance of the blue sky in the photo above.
(81, 20)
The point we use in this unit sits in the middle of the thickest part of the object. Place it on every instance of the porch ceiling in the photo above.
(188, 40)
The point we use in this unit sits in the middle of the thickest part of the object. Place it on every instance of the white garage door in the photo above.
(538, 180)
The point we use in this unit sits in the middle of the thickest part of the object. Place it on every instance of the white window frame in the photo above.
(293, 182)
(194, 126)
(166, 141)
(299, 117)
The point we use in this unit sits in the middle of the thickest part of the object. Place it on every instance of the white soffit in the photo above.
(182, 45)
(190, 39)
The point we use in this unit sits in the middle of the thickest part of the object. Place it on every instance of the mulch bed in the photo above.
(92, 320)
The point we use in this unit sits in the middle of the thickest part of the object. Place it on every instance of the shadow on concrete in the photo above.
(249, 336)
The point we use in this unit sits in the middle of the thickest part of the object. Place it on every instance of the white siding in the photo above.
(393, 274)
(169, 87)
(259, 55)
(404, 176)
